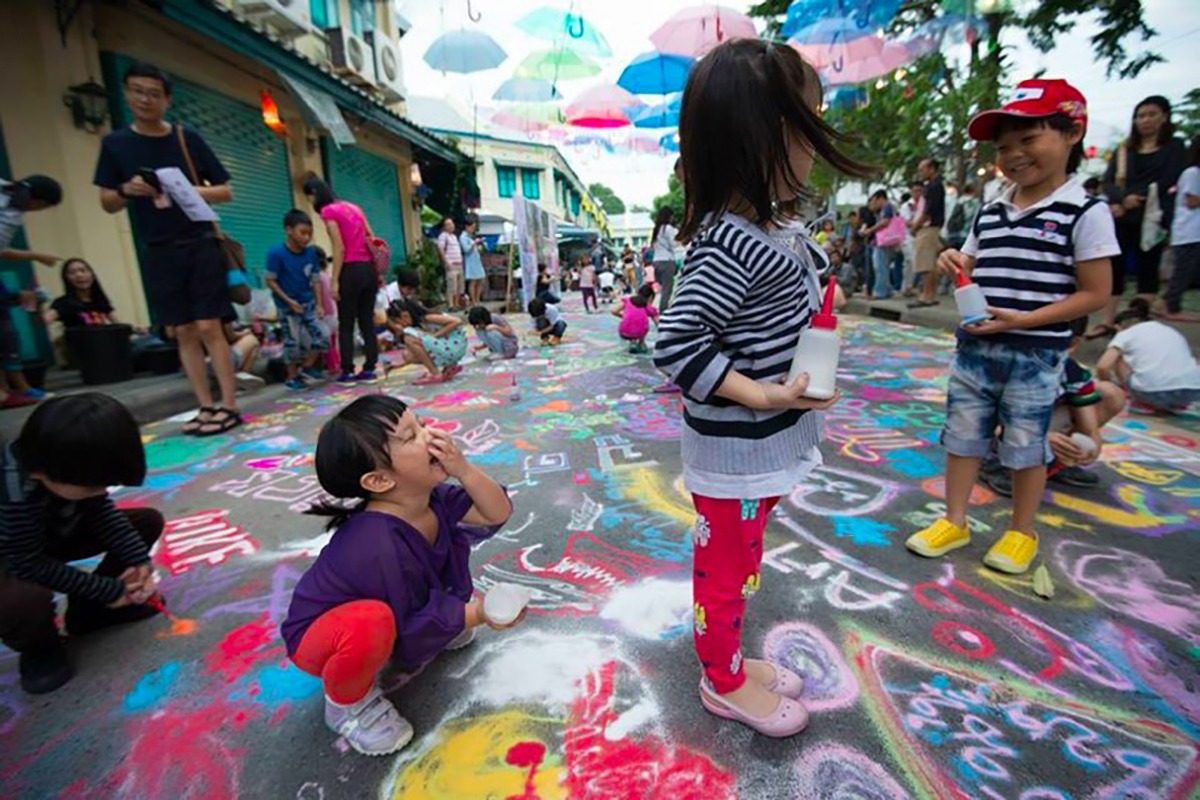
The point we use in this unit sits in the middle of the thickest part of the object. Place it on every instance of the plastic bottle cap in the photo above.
(961, 278)
(825, 321)
(825, 318)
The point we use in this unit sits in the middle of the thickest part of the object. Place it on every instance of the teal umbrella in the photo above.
(526, 90)
(465, 52)
(567, 29)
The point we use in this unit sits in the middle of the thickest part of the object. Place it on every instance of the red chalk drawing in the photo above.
(243, 647)
(206, 537)
(280, 462)
(601, 769)
(526, 754)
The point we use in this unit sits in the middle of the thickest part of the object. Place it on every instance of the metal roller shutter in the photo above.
(370, 182)
(255, 158)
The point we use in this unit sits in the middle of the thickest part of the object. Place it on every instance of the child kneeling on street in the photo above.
(547, 321)
(495, 334)
(395, 579)
(54, 508)
(1040, 252)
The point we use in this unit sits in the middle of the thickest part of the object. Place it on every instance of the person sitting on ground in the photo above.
(495, 334)
(608, 285)
(54, 508)
(547, 321)
(1085, 405)
(394, 583)
(1153, 361)
(438, 351)
(636, 314)
(83, 302)
(294, 277)
(244, 347)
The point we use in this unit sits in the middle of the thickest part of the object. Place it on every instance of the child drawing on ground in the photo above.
(496, 336)
(728, 339)
(439, 350)
(636, 313)
(1041, 254)
(548, 323)
(394, 582)
(1153, 360)
(55, 508)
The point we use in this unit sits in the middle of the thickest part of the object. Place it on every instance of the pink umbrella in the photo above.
(855, 61)
(603, 106)
(697, 29)
(516, 122)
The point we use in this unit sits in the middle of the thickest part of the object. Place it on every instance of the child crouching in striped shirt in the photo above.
(1040, 253)
(728, 340)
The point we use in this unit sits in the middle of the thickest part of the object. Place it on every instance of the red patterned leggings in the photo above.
(728, 551)
(347, 646)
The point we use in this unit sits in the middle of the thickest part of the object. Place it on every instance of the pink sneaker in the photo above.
(786, 683)
(428, 380)
(789, 718)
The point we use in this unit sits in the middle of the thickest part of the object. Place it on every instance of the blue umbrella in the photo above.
(656, 73)
(834, 29)
(664, 115)
(567, 29)
(670, 142)
(464, 51)
(527, 90)
(866, 15)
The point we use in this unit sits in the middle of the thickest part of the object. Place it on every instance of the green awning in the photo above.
(320, 109)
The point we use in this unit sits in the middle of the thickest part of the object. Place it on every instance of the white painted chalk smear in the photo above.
(652, 609)
(540, 668)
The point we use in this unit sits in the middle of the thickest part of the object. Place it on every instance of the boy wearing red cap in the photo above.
(1041, 254)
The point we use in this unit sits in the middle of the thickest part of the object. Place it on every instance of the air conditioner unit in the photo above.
(389, 70)
(352, 57)
(289, 17)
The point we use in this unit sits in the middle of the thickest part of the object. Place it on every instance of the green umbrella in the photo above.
(557, 65)
(563, 27)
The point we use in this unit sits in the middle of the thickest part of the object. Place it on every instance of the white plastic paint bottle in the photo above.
(970, 300)
(818, 350)
(504, 602)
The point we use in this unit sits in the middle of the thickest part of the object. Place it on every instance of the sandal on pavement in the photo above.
(789, 718)
(193, 425)
(428, 380)
(223, 420)
(786, 682)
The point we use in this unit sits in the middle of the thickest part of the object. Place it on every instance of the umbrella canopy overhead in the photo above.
(566, 29)
(557, 65)
(831, 30)
(464, 52)
(669, 142)
(863, 59)
(868, 15)
(656, 73)
(526, 90)
(663, 115)
(602, 106)
(697, 29)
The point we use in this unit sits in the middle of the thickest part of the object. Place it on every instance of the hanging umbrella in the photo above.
(656, 73)
(602, 106)
(526, 90)
(516, 122)
(696, 30)
(642, 144)
(664, 115)
(834, 29)
(864, 59)
(566, 29)
(465, 52)
(591, 140)
(557, 65)
(670, 142)
(867, 14)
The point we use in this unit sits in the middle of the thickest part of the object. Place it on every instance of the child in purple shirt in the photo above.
(395, 579)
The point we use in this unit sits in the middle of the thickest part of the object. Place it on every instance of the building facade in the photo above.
(328, 69)
(633, 228)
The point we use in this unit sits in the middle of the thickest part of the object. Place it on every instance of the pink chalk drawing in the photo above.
(1175, 677)
(805, 650)
(206, 537)
(280, 462)
(837, 772)
(1132, 584)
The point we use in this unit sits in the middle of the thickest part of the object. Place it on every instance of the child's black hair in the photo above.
(1055, 122)
(537, 307)
(744, 105)
(322, 256)
(34, 188)
(479, 316)
(408, 278)
(296, 217)
(1092, 183)
(638, 300)
(351, 445)
(320, 192)
(646, 291)
(141, 69)
(406, 305)
(98, 295)
(1138, 311)
(86, 439)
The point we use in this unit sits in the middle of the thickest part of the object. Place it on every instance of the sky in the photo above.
(627, 24)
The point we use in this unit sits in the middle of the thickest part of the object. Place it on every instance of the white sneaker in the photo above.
(462, 640)
(249, 383)
(372, 726)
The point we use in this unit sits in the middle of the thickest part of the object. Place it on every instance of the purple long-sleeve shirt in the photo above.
(376, 556)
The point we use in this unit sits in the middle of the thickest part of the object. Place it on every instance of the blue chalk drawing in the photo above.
(863, 531)
(918, 464)
(286, 684)
(153, 688)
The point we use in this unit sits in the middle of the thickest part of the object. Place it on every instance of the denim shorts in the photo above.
(994, 384)
(1172, 399)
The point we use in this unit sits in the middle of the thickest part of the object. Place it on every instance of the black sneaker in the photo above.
(43, 671)
(1076, 476)
(999, 481)
(83, 618)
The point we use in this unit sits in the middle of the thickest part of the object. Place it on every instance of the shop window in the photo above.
(362, 16)
(506, 181)
(324, 13)
(531, 184)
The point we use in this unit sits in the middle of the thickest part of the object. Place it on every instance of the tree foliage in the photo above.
(673, 198)
(1187, 115)
(607, 199)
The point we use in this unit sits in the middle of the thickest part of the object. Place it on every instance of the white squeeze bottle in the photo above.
(818, 349)
(504, 602)
(970, 300)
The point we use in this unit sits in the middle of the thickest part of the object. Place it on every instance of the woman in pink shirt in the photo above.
(636, 313)
(354, 282)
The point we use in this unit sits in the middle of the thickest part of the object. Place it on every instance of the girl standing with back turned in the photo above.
(728, 338)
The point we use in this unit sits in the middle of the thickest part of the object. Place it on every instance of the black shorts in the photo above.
(10, 343)
(186, 282)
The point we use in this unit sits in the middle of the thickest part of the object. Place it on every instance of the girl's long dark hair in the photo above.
(98, 295)
(665, 216)
(1165, 133)
(351, 445)
(320, 192)
(743, 103)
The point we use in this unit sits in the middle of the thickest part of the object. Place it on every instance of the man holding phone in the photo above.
(184, 267)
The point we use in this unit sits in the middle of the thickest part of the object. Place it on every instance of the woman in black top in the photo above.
(1150, 156)
(83, 301)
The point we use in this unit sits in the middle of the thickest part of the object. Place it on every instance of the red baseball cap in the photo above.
(1034, 98)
